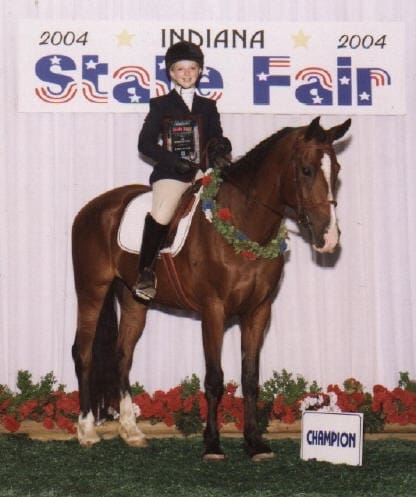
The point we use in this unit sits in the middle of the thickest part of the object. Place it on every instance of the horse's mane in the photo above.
(253, 159)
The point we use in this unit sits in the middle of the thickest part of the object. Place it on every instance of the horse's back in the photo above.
(117, 198)
(95, 226)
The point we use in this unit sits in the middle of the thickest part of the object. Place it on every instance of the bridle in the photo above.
(302, 207)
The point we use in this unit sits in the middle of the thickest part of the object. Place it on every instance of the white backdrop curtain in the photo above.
(355, 317)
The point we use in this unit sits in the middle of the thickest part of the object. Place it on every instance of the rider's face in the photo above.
(185, 73)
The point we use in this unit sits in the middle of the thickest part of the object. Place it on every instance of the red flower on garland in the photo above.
(249, 255)
(206, 180)
(224, 214)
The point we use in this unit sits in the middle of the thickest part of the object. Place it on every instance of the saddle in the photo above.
(185, 208)
(131, 225)
(131, 228)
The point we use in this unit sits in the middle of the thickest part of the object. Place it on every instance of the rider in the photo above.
(174, 170)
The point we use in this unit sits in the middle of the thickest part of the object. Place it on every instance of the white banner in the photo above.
(280, 68)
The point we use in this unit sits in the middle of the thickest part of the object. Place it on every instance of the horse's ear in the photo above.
(315, 130)
(339, 131)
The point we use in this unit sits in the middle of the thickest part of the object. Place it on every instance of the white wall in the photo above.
(353, 319)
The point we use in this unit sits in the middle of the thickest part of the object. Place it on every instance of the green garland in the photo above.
(221, 219)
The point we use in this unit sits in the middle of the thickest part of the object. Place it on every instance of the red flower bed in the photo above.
(185, 405)
(398, 405)
(52, 408)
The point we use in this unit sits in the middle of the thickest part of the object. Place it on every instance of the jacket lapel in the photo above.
(197, 104)
(177, 102)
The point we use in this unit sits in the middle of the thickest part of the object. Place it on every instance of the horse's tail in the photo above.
(105, 378)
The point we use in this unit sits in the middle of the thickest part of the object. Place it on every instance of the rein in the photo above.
(278, 212)
(301, 206)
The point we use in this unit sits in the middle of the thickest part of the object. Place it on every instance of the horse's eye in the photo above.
(306, 171)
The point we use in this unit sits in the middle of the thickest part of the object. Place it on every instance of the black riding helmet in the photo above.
(183, 50)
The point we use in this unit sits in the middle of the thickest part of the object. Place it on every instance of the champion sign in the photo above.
(269, 68)
(332, 437)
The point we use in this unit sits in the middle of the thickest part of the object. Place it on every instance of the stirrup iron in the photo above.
(145, 287)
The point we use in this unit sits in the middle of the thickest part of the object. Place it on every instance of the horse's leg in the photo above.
(213, 333)
(132, 322)
(89, 308)
(253, 326)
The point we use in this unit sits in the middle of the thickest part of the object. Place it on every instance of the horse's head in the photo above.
(315, 171)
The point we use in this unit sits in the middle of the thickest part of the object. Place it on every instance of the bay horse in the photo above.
(294, 168)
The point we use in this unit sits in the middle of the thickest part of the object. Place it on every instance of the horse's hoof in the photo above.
(263, 456)
(137, 442)
(134, 440)
(89, 442)
(213, 457)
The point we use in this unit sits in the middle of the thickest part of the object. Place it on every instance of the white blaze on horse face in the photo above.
(331, 237)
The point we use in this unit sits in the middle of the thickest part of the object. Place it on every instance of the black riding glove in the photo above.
(185, 166)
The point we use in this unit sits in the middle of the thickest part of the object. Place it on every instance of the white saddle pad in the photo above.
(132, 223)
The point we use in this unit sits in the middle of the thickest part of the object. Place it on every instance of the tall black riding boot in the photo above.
(154, 236)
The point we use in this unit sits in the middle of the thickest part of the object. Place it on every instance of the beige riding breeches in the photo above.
(166, 196)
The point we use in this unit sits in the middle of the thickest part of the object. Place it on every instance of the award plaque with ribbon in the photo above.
(182, 136)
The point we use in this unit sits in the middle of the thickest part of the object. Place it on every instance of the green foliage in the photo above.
(137, 388)
(190, 386)
(185, 405)
(188, 421)
(6, 395)
(406, 383)
(28, 390)
(373, 421)
(35, 391)
(292, 389)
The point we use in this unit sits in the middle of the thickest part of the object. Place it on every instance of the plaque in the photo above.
(182, 136)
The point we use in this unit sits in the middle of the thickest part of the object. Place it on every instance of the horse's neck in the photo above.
(254, 202)
(254, 192)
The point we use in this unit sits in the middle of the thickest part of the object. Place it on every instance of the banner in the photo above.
(279, 68)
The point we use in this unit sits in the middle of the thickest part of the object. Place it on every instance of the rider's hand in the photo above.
(185, 166)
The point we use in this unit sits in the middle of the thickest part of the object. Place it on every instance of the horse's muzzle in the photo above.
(330, 241)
